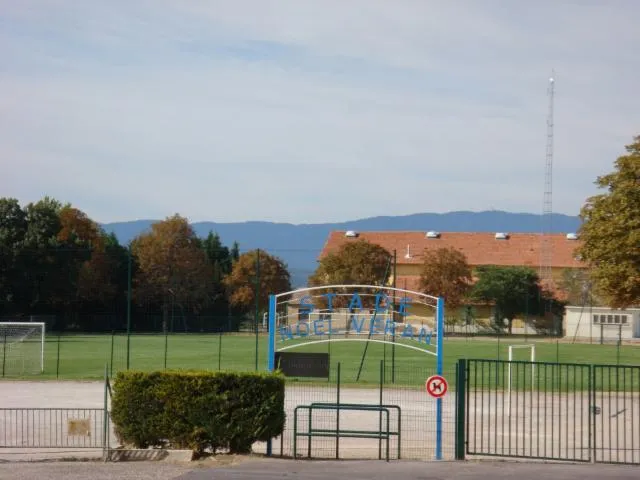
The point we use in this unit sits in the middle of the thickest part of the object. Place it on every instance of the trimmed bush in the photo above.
(201, 411)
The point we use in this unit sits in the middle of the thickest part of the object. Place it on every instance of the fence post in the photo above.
(128, 307)
(4, 353)
(58, 357)
(337, 415)
(113, 334)
(257, 295)
(592, 414)
(393, 318)
(105, 414)
(619, 345)
(166, 348)
(219, 350)
(461, 397)
(380, 413)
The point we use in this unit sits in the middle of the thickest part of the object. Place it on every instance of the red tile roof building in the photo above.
(517, 249)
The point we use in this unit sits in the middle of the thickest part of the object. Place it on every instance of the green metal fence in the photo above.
(570, 412)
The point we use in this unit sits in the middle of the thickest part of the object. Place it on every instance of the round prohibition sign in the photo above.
(436, 386)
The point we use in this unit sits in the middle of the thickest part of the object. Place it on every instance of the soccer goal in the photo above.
(527, 376)
(21, 348)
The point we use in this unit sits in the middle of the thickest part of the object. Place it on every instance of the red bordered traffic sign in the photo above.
(436, 386)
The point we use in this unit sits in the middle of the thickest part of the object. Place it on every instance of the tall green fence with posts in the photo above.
(551, 411)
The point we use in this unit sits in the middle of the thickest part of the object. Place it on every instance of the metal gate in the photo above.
(58, 428)
(388, 417)
(616, 414)
(36, 428)
(551, 411)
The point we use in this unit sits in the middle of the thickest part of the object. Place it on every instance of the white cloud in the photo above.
(311, 111)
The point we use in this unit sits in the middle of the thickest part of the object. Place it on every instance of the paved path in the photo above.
(252, 469)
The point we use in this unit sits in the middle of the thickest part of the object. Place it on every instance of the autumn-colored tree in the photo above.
(85, 248)
(354, 263)
(172, 267)
(77, 229)
(256, 271)
(359, 262)
(446, 273)
(610, 232)
(103, 277)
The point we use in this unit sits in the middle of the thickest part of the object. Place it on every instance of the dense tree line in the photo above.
(56, 262)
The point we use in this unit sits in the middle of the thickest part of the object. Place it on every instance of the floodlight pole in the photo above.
(129, 307)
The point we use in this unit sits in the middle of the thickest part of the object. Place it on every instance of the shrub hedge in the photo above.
(201, 411)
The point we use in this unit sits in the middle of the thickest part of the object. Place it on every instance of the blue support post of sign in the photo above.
(271, 352)
(439, 365)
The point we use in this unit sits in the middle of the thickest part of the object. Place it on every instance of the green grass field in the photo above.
(85, 356)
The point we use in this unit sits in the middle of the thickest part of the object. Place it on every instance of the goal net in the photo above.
(521, 371)
(21, 348)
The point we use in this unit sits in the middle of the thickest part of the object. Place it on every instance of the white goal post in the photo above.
(22, 347)
(532, 347)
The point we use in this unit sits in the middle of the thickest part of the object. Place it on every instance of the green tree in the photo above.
(56, 260)
(44, 272)
(610, 232)
(43, 223)
(218, 256)
(172, 268)
(256, 271)
(13, 225)
(446, 273)
(513, 291)
(221, 260)
(235, 252)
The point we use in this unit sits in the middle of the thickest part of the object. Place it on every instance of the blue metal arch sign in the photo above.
(377, 319)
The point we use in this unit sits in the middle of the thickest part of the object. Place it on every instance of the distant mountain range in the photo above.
(299, 245)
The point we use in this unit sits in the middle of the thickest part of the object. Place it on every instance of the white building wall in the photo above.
(592, 322)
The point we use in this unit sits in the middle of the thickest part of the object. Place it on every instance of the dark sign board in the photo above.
(296, 364)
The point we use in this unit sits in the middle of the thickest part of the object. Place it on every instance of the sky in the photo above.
(307, 111)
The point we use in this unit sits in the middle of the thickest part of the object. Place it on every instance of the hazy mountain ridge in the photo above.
(299, 244)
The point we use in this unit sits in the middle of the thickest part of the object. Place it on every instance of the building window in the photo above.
(601, 319)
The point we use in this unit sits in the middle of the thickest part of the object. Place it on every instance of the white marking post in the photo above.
(533, 359)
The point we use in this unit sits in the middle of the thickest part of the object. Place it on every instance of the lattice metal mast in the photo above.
(547, 246)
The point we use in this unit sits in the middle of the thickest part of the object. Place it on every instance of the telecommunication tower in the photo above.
(546, 248)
